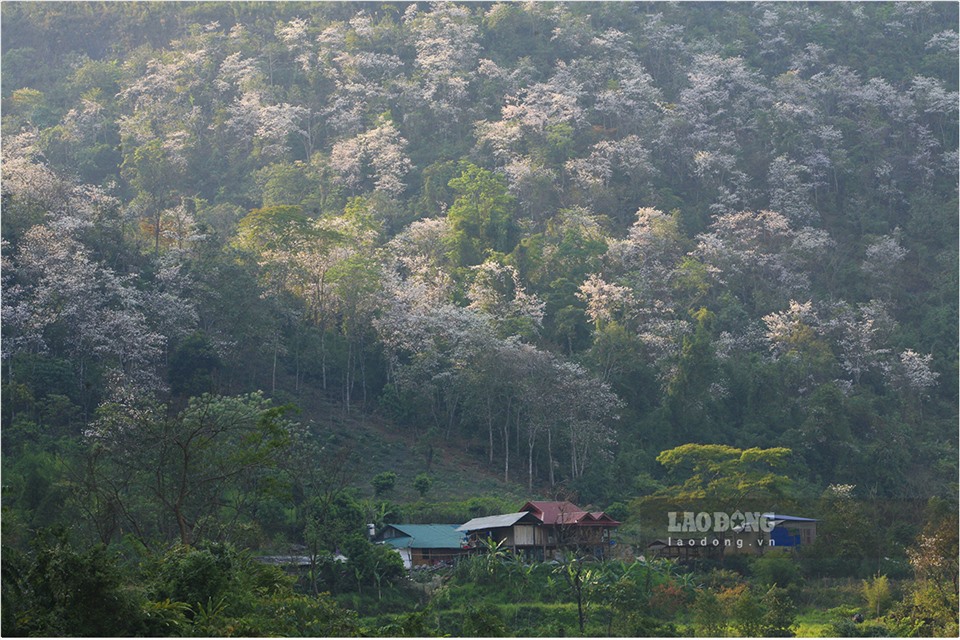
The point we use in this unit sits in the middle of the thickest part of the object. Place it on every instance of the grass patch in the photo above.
(534, 620)
(378, 445)
(815, 623)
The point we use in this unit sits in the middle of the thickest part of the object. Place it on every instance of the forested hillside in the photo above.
(557, 239)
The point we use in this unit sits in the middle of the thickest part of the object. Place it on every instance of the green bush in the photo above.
(770, 614)
(384, 482)
(483, 621)
(422, 484)
(709, 617)
(195, 575)
(58, 590)
(776, 568)
(847, 628)
(416, 624)
(373, 566)
(294, 615)
(877, 594)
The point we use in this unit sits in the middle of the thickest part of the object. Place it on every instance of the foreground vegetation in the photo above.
(214, 590)
(275, 271)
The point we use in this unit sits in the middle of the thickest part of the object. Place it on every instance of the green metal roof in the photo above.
(426, 536)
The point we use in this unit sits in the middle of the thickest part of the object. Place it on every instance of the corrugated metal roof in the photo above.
(492, 522)
(560, 512)
(565, 512)
(426, 536)
(604, 519)
(779, 516)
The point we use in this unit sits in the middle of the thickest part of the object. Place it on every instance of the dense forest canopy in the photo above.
(560, 237)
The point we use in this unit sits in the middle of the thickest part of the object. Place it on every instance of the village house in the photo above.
(424, 544)
(541, 530)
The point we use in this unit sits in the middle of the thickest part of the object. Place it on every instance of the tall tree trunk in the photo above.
(323, 356)
(296, 377)
(489, 404)
(550, 455)
(182, 526)
(273, 379)
(156, 232)
(573, 452)
(363, 371)
(530, 466)
(506, 443)
(347, 381)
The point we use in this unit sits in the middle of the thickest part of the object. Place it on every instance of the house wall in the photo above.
(796, 533)
(524, 535)
(433, 556)
(503, 533)
(544, 536)
(405, 556)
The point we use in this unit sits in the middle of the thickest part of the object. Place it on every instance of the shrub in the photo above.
(847, 628)
(776, 568)
(666, 600)
(62, 591)
(384, 482)
(779, 613)
(746, 612)
(299, 616)
(483, 621)
(723, 578)
(422, 484)
(709, 617)
(773, 614)
(195, 575)
(877, 594)
(409, 625)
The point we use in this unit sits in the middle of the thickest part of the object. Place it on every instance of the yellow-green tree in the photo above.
(721, 476)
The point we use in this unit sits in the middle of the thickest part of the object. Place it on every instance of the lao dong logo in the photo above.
(718, 522)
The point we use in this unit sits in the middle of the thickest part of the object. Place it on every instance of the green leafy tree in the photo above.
(724, 476)
(193, 366)
(876, 592)
(776, 568)
(779, 614)
(60, 590)
(384, 482)
(273, 228)
(196, 575)
(481, 217)
(422, 484)
(154, 176)
(181, 468)
(372, 565)
(226, 591)
(695, 371)
(709, 617)
(582, 580)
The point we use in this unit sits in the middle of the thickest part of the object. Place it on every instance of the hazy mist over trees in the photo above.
(561, 239)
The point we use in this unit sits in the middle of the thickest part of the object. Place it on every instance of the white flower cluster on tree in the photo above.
(377, 155)
(497, 290)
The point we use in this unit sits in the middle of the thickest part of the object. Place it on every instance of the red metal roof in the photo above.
(565, 512)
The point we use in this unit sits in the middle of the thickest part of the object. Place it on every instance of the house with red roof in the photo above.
(541, 530)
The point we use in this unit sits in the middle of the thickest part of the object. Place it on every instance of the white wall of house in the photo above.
(405, 556)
